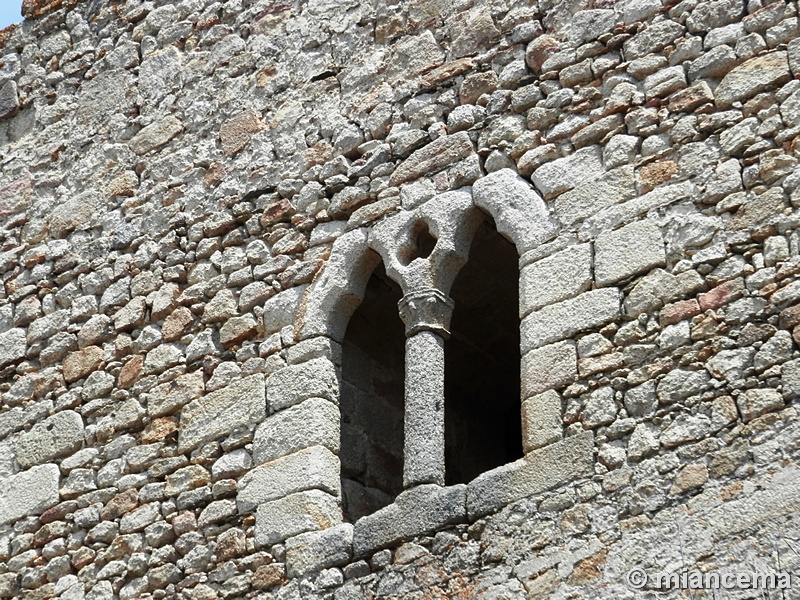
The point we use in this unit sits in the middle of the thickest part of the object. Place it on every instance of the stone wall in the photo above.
(194, 195)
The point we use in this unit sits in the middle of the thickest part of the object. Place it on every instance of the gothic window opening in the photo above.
(371, 402)
(482, 361)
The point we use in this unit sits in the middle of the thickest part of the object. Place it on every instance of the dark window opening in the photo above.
(373, 359)
(483, 427)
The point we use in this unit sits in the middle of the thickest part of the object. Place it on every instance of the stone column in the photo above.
(427, 318)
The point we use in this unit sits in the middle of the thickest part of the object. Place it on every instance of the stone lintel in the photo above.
(418, 510)
(317, 550)
(563, 462)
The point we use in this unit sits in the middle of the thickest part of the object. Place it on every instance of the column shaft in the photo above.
(424, 410)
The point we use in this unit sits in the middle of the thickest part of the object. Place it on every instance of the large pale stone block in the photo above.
(433, 157)
(752, 77)
(295, 383)
(56, 436)
(563, 462)
(611, 188)
(563, 320)
(549, 367)
(541, 420)
(779, 497)
(756, 402)
(313, 422)
(170, 396)
(12, 346)
(217, 414)
(312, 468)
(28, 493)
(635, 248)
(280, 310)
(418, 510)
(555, 278)
(317, 550)
(298, 513)
(563, 174)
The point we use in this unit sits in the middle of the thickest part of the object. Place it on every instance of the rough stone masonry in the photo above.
(195, 194)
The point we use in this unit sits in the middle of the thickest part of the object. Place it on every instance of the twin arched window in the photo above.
(425, 306)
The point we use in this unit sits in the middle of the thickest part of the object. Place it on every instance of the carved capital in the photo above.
(426, 310)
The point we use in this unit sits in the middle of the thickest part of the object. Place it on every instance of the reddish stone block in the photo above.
(678, 311)
(790, 317)
(721, 295)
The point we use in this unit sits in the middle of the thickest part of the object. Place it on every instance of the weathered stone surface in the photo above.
(752, 77)
(295, 383)
(246, 243)
(588, 25)
(541, 421)
(297, 513)
(685, 428)
(633, 249)
(413, 55)
(681, 383)
(156, 135)
(599, 408)
(652, 39)
(564, 319)
(711, 15)
(12, 346)
(549, 367)
(237, 329)
(610, 188)
(218, 511)
(28, 493)
(312, 422)
(106, 95)
(220, 412)
(776, 350)
(716, 63)
(642, 443)
(314, 551)
(54, 437)
(790, 379)
(138, 519)
(434, 157)
(555, 278)
(730, 365)
(780, 496)
(235, 134)
(74, 213)
(566, 461)
(168, 397)
(610, 217)
(9, 99)
(160, 74)
(519, 213)
(313, 468)
(81, 363)
(755, 402)
(419, 510)
(280, 310)
(690, 477)
(561, 175)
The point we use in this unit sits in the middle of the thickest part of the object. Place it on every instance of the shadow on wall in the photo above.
(372, 400)
(482, 363)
